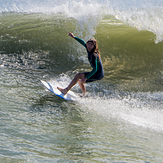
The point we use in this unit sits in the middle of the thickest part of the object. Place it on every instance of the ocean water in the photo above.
(121, 119)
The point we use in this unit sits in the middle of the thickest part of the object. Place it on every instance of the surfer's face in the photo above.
(90, 46)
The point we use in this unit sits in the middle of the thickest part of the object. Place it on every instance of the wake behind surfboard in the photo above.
(53, 88)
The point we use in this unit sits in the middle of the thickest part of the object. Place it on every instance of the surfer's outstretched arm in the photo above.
(78, 39)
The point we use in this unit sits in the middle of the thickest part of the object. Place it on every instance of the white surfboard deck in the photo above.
(53, 88)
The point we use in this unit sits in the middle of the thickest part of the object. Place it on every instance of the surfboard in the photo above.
(53, 88)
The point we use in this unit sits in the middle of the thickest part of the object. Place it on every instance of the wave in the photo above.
(34, 42)
(143, 15)
(130, 57)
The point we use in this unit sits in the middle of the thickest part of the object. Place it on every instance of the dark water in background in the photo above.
(120, 119)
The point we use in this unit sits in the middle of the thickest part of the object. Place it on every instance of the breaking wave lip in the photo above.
(144, 19)
(141, 15)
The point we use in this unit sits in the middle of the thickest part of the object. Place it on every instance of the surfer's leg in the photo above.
(73, 82)
(82, 86)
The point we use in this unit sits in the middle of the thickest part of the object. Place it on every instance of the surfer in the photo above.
(94, 58)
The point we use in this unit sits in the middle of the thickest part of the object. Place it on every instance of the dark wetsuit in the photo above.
(97, 72)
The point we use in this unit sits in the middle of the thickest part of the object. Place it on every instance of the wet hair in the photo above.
(95, 49)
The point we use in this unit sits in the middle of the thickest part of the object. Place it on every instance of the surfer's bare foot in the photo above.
(64, 91)
(83, 95)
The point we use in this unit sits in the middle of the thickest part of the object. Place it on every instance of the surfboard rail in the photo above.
(70, 96)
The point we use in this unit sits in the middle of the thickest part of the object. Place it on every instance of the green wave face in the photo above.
(130, 57)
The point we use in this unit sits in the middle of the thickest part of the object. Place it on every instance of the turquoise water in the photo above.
(120, 120)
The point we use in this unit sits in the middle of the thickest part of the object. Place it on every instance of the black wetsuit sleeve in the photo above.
(81, 41)
(94, 70)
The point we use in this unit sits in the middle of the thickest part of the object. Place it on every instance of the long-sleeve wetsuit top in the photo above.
(97, 72)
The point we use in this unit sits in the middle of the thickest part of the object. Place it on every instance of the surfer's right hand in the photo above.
(71, 34)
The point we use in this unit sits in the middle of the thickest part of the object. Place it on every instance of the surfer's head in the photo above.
(92, 46)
